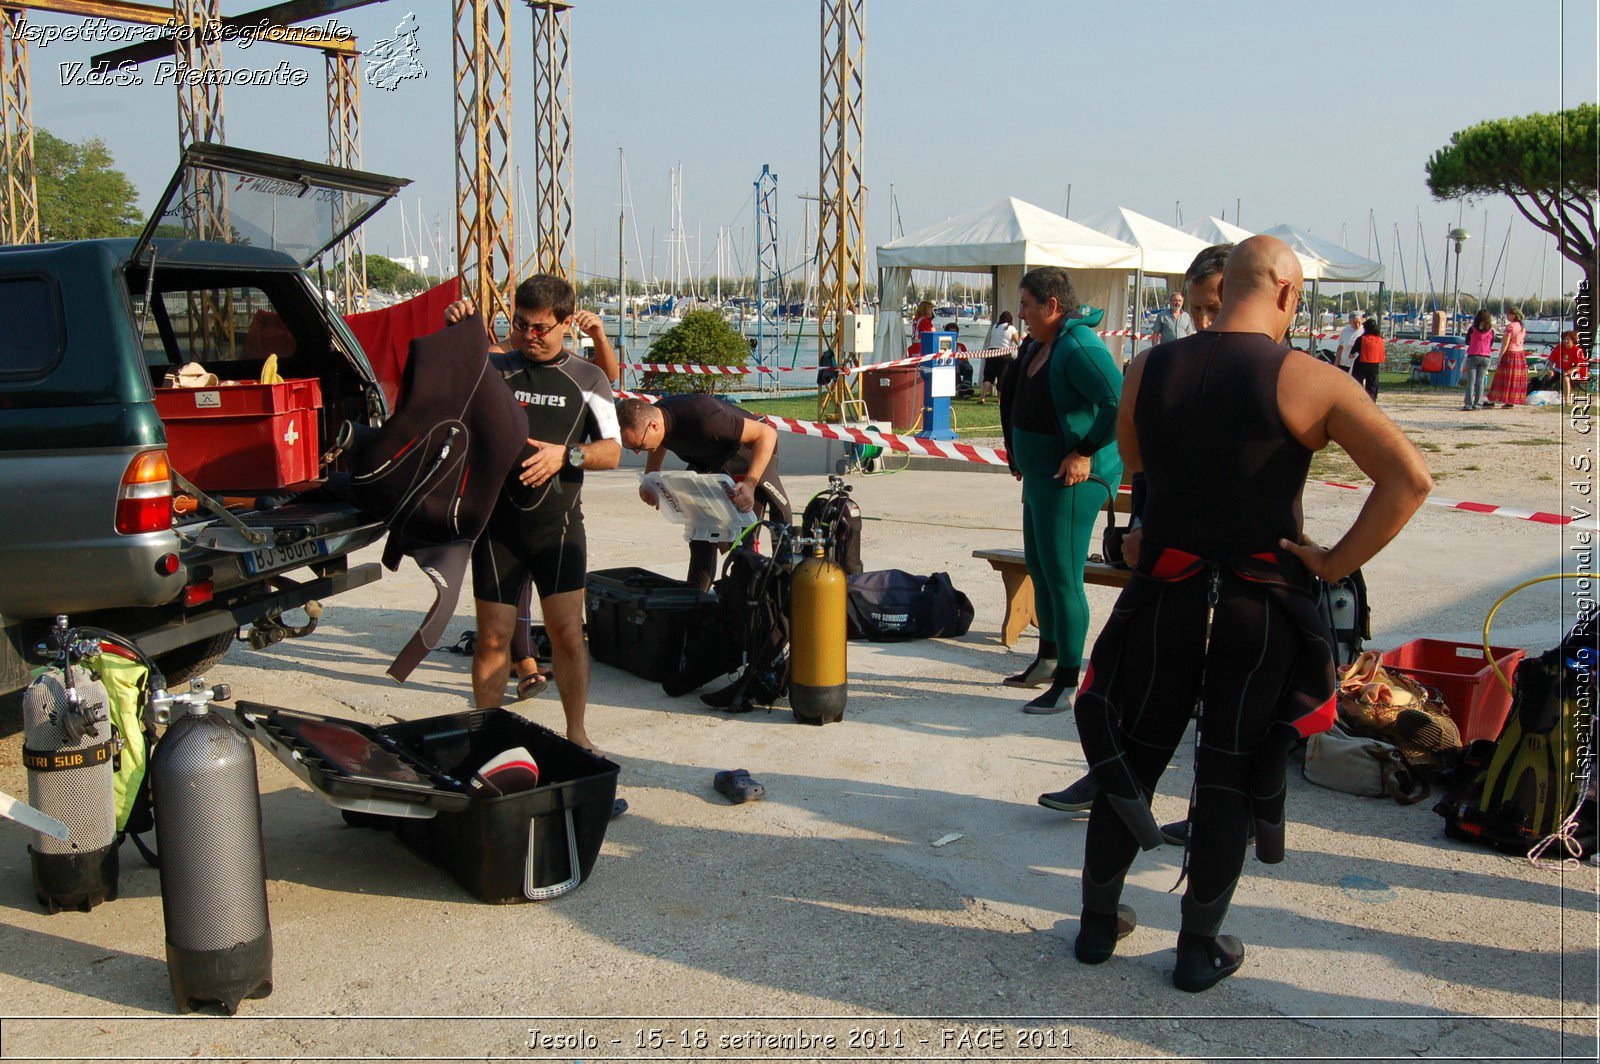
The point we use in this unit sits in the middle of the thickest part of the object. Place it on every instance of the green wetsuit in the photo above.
(1058, 523)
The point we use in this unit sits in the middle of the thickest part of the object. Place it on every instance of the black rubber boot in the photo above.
(1104, 922)
(1204, 962)
(1038, 673)
(1099, 933)
(1058, 698)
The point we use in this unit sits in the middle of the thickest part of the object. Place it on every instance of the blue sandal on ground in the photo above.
(737, 786)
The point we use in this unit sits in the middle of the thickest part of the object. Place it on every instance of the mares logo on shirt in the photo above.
(531, 399)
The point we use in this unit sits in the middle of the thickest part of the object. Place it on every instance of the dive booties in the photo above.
(1204, 962)
(1058, 699)
(1099, 933)
(1036, 674)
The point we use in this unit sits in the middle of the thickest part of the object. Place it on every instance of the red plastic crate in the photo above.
(1478, 703)
(244, 437)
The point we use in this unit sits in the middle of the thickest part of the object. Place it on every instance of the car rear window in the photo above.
(31, 334)
(217, 325)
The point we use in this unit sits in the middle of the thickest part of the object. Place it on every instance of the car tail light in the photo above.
(167, 564)
(197, 594)
(144, 501)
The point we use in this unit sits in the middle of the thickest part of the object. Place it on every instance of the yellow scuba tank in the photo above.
(817, 665)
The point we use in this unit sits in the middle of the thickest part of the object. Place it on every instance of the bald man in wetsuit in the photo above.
(1217, 430)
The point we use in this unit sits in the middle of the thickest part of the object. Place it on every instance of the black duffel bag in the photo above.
(892, 606)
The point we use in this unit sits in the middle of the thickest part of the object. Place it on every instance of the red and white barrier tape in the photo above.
(1541, 517)
(960, 452)
(669, 367)
(914, 360)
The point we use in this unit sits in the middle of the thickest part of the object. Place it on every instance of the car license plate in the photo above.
(269, 558)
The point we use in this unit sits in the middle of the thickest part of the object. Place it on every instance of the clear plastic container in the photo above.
(700, 502)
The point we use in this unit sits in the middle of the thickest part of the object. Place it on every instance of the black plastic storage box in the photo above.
(530, 846)
(639, 620)
(415, 778)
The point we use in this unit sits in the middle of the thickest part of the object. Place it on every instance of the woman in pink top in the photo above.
(1480, 345)
(1510, 387)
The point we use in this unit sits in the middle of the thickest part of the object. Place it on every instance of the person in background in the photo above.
(1346, 351)
(1480, 345)
(921, 322)
(1058, 413)
(1202, 285)
(1218, 431)
(1001, 334)
(1569, 364)
(1369, 357)
(1510, 387)
(1172, 323)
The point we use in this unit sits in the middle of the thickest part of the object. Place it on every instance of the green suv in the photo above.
(95, 521)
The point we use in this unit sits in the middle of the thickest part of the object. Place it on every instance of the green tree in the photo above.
(389, 275)
(1545, 163)
(81, 195)
(701, 338)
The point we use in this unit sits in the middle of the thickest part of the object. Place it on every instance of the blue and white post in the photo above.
(938, 385)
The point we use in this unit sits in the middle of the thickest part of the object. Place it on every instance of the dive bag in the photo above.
(1537, 783)
(892, 606)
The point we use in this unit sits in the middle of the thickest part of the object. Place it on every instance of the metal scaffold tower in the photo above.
(344, 149)
(769, 275)
(841, 235)
(554, 251)
(19, 213)
(486, 235)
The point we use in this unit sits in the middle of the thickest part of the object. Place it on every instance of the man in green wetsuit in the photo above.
(1058, 411)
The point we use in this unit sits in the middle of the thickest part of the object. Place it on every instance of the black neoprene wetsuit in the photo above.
(1224, 478)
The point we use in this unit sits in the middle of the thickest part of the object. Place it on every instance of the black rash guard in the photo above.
(702, 430)
(568, 401)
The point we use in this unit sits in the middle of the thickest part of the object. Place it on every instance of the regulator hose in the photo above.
(1489, 654)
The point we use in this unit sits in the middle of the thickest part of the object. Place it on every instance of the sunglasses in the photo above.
(538, 332)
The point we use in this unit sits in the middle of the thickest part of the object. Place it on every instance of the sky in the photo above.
(1311, 114)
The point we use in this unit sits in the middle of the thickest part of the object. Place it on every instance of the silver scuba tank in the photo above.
(68, 749)
(213, 873)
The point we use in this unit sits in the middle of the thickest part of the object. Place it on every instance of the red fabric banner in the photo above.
(386, 334)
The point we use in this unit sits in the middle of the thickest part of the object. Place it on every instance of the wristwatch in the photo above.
(575, 457)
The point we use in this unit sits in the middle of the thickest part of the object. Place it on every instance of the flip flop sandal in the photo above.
(737, 786)
(532, 686)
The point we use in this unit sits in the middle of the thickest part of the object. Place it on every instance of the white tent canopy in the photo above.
(1214, 230)
(1327, 260)
(1004, 239)
(1162, 249)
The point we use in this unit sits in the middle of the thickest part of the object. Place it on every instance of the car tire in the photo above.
(181, 665)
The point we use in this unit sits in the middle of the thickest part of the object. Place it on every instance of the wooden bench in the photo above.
(1020, 609)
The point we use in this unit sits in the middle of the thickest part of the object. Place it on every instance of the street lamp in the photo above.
(1460, 236)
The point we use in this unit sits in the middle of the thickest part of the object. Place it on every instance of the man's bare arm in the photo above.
(1320, 405)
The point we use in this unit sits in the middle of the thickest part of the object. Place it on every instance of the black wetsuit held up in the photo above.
(1214, 611)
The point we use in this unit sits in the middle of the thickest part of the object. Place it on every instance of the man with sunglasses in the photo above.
(536, 530)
